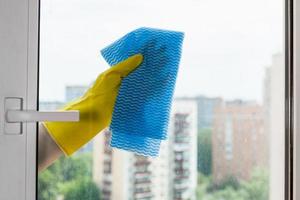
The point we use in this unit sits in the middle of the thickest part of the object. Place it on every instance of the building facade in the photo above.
(50, 105)
(74, 91)
(205, 110)
(238, 140)
(172, 175)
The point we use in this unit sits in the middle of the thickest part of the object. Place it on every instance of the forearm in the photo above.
(48, 151)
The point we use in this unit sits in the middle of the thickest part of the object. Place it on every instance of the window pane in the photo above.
(226, 130)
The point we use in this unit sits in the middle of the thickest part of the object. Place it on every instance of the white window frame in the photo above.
(18, 182)
(19, 36)
(293, 141)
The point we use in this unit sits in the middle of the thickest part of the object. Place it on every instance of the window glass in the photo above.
(226, 130)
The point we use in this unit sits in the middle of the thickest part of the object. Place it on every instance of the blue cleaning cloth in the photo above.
(138, 144)
(141, 113)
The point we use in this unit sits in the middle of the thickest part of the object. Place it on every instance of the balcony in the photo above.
(143, 195)
(142, 180)
(142, 162)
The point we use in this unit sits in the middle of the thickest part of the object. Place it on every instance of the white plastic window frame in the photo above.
(293, 136)
(292, 96)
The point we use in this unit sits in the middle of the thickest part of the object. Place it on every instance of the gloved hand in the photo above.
(95, 107)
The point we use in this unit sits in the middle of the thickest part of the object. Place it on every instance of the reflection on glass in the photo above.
(226, 128)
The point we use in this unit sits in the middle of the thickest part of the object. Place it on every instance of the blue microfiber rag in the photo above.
(141, 113)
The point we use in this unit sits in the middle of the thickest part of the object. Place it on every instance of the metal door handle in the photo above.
(39, 116)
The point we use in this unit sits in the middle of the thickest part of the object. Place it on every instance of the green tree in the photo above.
(258, 186)
(228, 193)
(74, 167)
(204, 151)
(203, 183)
(47, 186)
(66, 171)
(84, 189)
(229, 181)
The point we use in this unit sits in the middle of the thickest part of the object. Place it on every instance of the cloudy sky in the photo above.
(227, 43)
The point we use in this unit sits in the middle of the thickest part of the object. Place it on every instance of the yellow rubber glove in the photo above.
(95, 107)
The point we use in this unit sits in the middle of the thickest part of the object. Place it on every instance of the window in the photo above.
(228, 137)
(227, 121)
(234, 63)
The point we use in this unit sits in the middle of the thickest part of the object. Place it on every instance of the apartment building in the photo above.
(205, 109)
(74, 91)
(123, 175)
(238, 140)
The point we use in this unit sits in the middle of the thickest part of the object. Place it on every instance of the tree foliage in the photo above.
(66, 174)
(229, 181)
(204, 151)
(47, 187)
(257, 188)
(84, 189)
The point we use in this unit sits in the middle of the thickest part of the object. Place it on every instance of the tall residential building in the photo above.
(123, 175)
(238, 140)
(74, 91)
(50, 105)
(183, 150)
(205, 109)
(274, 115)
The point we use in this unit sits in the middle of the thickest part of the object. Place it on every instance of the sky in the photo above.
(227, 46)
